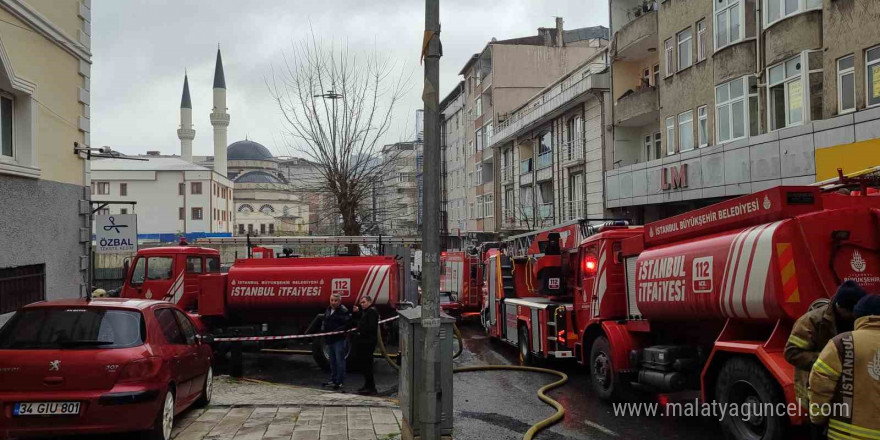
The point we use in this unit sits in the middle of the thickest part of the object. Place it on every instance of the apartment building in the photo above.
(718, 98)
(171, 196)
(45, 71)
(453, 195)
(498, 80)
(398, 192)
(551, 152)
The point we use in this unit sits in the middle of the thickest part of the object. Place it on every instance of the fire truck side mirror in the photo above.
(126, 264)
(207, 338)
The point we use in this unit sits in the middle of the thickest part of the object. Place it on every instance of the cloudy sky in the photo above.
(141, 48)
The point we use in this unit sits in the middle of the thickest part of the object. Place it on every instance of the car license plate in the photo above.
(46, 408)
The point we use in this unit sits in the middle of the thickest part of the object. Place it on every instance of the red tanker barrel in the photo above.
(728, 275)
(279, 283)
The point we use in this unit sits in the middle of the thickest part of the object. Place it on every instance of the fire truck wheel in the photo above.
(606, 382)
(743, 382)
(525, 353)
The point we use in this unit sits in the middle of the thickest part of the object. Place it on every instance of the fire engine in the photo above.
(700, 301)
(460, 274)
(268, 294)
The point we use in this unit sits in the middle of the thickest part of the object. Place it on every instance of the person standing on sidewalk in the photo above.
(845, 380)
(365, 343)
(814, 329)
(336, 318)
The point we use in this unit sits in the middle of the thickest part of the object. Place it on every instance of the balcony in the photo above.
(522, 119)
(573, 150)
(545, 159)
(638, 108)
(506, 174)
(573, 210)
(525, 171)
(407, 184)
(635, 39)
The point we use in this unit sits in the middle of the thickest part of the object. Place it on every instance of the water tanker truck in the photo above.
(700, 301)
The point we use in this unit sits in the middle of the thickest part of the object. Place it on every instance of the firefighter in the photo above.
(848, 372)
(813, 330)
(336, 318)
(365, 343)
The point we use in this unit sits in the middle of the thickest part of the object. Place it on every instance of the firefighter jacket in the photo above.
(810, 334)
(847, 374)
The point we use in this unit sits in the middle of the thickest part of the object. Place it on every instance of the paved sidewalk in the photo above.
(289, 423)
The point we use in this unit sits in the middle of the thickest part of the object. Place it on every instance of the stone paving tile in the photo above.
(230, 424)
(386, 430)
(307, 435)
(361, 434)
(279, 430)
(250, 433)
(196, 431)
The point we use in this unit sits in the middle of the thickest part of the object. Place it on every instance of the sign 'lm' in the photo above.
(116, 234)
(674, 177)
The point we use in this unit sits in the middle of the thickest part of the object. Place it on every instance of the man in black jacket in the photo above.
(336, 318)
(365, 342)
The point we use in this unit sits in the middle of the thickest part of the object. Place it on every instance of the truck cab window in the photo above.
(213, 264)
(194, 264)
(140, 270)
(159, 268)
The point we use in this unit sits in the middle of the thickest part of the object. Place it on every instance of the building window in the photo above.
(123, 211)
(670, 57)
(262, 228)
(240, 229)
(686, 131)
(776, 10)
(103, 188)
(478, 106)
(6, 116)
(732, 109)
(123, 189)
(785, 94)
(649, 147)
(196, 214)
(658, 145)
(250, 229)
(703, 126)
(670, 135)
(195, 188)
(684, 49)
(479, 139)
(701, 40)
(872, 64)
(728, 20)
(181, 213)
(22, 285)
(846, 85)
(656, 75)
(271, 228)
(181, 189)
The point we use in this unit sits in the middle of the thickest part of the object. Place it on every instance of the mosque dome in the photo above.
(248, 150)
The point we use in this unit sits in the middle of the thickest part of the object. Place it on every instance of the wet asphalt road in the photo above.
(503, 405)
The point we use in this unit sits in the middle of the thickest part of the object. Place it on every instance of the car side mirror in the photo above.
(207, 339)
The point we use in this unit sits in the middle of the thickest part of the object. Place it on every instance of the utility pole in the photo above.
(430, 392)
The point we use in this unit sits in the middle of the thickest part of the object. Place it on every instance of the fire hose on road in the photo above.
(383, 352)
(534, 429)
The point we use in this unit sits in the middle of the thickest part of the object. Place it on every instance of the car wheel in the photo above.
(164, 420)
(207, 389)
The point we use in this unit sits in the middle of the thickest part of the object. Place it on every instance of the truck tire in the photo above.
(605, 381)
(743, 381)
(525, 352)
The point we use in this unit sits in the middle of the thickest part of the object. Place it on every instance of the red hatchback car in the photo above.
(100, 366)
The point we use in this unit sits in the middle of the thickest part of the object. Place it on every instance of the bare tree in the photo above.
(338, 108)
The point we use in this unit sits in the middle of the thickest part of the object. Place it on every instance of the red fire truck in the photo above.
(460, 282)
(703, 300)
(267, 295)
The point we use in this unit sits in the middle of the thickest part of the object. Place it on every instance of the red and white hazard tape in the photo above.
(283, 337)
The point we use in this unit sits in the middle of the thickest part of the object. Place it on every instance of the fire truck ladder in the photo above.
(507, 283)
